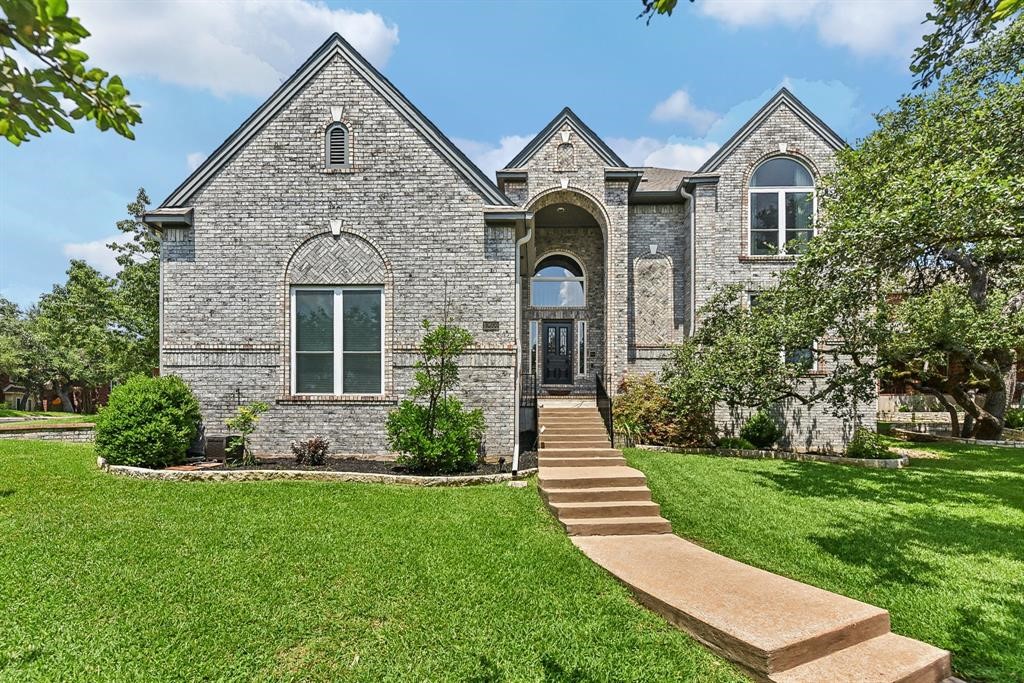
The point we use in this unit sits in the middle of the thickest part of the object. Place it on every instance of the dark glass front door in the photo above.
(557, 352)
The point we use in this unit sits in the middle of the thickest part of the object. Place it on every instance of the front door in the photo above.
(557, 352)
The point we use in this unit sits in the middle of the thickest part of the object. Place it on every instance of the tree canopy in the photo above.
(918, 270)
(40, 66)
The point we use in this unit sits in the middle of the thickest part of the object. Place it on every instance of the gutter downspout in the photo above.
(693, 256)
(519, 346)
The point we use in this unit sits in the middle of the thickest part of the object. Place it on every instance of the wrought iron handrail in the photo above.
(528, 400)
(604, 406)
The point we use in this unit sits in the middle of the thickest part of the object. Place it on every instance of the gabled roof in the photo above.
(336, 46)
(784, 96)
(567, 116)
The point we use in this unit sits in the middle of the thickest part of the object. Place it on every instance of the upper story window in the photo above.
(781, 207)
(558, 282)
(337, 340)
(337, 145)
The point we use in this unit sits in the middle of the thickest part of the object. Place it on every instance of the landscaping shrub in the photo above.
(761, 430)
(1014, 418)
(148, 422)
(867, 444)
(736, 443)
(445, 444)
(437, 436)
(642, 412)
(311, 451)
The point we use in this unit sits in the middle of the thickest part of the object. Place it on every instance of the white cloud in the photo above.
(671, 153)
(866, 27)
(228, 48)
(679, 107)
(491, 157)
(194, 159)
(97, 254)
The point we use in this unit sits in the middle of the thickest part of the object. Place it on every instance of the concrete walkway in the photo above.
(775, 628)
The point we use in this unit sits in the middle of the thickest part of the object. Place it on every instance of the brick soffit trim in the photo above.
(335, 46)
(567, 115)
(784, 96)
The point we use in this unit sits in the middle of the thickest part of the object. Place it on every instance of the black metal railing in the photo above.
(604, 406)
(528, 407)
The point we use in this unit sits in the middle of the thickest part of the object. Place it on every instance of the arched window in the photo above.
(558, 282)
(337, 145)
(781, 207)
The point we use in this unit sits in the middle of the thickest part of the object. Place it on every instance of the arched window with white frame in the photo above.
(781, 207)
(336, 141)
(558, 282)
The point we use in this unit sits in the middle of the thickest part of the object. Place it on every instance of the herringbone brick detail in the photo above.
(652, 289)
(342, 260)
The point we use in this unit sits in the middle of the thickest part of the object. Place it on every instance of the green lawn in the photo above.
(47, 418)
(940, 545)
(107, 578)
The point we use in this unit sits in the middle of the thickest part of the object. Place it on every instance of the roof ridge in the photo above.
(783, 96)
(336, 45)
(567, 115)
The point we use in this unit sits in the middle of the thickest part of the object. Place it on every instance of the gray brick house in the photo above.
(298, 261)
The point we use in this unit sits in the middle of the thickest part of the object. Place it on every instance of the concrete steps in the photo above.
(775, 628)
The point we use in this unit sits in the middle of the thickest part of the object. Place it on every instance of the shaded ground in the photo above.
(108, 578)
(940, 544)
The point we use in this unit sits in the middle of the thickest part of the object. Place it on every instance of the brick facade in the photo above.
(404, 217)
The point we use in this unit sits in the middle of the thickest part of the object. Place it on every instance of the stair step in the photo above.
(570, 412)
(565, 452)
(585, 423)
(615, 526)
(763, 621)
(601, 461)
(590, 477)
(888, 658)
(605, 509)
(569, 442)
(593, 495)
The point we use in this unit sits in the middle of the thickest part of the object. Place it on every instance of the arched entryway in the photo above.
(564, 294)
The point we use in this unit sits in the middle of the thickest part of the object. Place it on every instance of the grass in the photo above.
(940, 544)
(42, 418)
(106, 578)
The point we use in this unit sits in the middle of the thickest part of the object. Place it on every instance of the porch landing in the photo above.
(775, 628)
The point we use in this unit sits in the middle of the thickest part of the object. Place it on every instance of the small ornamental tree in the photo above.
(436, 434)
(244, 422)
(148, 422)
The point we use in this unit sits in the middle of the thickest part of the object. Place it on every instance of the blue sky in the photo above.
(489, 74)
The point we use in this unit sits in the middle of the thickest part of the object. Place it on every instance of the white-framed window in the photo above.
(581, 346)
(782, 206)
(534, 337)
(336, 143)
(337, 340)
(558, 282)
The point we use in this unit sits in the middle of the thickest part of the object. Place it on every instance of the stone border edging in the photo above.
(926, 437)
(876, 463)
(308, 475)
(43, 427)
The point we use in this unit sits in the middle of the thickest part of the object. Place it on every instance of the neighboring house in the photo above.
(299, 260)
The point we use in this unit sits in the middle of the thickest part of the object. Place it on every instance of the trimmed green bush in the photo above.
(148, 422)
(1014, 418)
(866, 444)
(761, 430)
(449, 443)
(736, 443)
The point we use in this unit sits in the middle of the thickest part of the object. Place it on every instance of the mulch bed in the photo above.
(526, 461)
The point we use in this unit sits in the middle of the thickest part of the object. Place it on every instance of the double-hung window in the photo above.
(781, 208)
(337, 340)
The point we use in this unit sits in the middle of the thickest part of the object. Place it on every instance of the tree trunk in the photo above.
(954, 420)
(65, 400)
(990, 424)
